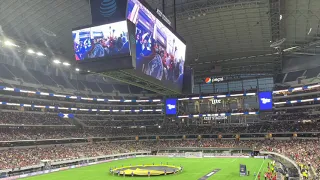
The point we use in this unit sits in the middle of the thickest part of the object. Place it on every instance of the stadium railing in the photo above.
(284, 158)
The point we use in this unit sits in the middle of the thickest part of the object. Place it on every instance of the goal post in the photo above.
(193, 154)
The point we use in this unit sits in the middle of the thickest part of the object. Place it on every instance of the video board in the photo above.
(103, 41)
(265, 100)
(159, 52)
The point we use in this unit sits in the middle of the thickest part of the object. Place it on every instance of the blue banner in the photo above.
(265, 101)
(171, 106)
(66, 116)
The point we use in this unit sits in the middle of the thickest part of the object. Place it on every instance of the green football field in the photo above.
(193, 169)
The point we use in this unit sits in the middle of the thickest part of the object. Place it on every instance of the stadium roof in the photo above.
(223, 36)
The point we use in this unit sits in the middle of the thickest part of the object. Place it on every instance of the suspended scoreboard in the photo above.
(130, 42)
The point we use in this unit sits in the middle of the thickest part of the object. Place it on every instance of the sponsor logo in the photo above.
(108, 8)
(209, 80)
(265, 100)
(216, 101)
(171, 106)
(210, 118)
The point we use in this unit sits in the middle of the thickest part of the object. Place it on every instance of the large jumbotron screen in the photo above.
(159, 52)
(101, 41)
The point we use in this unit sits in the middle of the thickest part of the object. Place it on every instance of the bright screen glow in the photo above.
(101, 41)
(160, 53)
(265, 101)
(171, 106)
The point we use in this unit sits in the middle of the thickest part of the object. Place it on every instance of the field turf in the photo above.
(193, 169)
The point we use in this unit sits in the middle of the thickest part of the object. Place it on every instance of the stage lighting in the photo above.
(66, 64)
(56, 61)
(9, 43)
(77, 69)
(40, 54)
(30, 51)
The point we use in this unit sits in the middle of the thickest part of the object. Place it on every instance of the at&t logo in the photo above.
(108, 7)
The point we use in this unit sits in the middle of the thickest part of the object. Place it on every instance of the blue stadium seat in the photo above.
(77, 84)
(4, 73)
(92, 85)
(42, 78)
(107, 88)
(279, 78)
(292, 76)
(121, 88)
(62, 81)
(23, 74)
(311, 73)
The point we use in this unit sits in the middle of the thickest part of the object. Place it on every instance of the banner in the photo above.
(265, 101)
(171, 106)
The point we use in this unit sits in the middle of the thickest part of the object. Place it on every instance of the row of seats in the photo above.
(293, 76)
(112, 128)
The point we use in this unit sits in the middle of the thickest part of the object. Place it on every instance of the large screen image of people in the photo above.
(159, 52)
(101, 41)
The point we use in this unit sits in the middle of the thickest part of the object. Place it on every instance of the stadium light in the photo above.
(30, 51)
(291, 48)
(88, 71)
(77, 69)
(56, 61)
(40, 54)
(66, 64)
(9, 43)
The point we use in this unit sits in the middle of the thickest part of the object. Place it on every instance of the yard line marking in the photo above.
(233, 160)
(259, 169)
(209, 174)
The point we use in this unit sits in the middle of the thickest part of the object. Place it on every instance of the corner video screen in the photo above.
(101, 41)
(160, 53)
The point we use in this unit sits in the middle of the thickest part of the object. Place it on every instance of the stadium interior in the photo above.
(226, 78)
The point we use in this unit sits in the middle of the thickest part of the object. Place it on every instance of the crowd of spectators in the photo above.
(102, 123)
(294, 92)
(24, 118)
(21, 157)
(39, 133)
(301, 151)
(186, 111)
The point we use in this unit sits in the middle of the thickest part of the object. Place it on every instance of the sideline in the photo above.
(259, 169)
